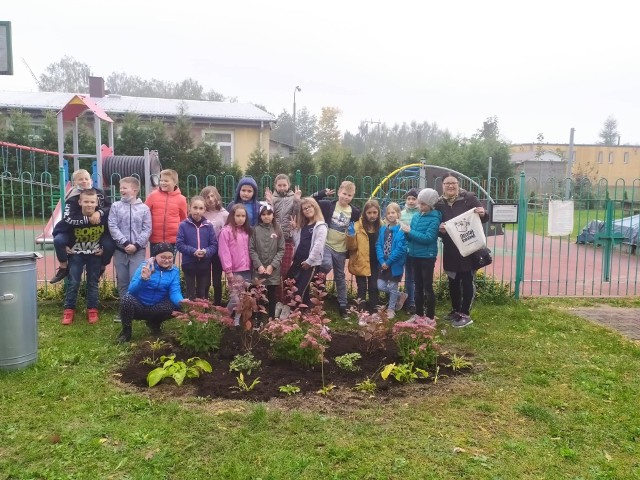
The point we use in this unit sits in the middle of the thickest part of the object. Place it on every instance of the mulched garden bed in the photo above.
(274, 373)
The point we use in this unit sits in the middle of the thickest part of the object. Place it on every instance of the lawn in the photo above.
(550, 396)
(537, 221)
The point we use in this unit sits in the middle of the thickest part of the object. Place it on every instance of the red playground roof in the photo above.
(80, 103)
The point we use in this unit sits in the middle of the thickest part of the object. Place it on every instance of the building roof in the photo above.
(198, 110)
(530, 156)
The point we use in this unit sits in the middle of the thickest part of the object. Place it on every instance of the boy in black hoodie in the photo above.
(247, 194)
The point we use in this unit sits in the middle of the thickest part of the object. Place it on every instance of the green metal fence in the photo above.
(525, 257)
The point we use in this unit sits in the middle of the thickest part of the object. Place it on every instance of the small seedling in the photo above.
(348, 361)
(289, 389)
(244, 363)
(242, 384)
(326, 389)
(368, 386)
(459, 363)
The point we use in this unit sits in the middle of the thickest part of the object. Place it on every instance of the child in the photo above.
(130, 227)
(338, 215)
(391, 250)
(410, 209)
(266, 249)
(168, 208)
(197, 243)
(72, 217)
(422, 236)
(247, 195)
(363, 261)
(233, 248)
(310, 235)
(154, 292)
(217, 216)
(85, 251)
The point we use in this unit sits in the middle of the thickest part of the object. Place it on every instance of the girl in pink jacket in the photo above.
(233, 249)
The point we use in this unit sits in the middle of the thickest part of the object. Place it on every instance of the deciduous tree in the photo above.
(67, 75)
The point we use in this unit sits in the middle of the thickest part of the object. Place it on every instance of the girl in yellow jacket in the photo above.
(361, 243)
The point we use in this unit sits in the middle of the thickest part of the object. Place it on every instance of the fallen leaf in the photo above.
(608, 457)
(458, 450)
(149, 455)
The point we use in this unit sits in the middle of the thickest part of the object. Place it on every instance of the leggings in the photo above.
(197, 281)
(423, 276)
(462, 290)
(131, 307)
(216, 280)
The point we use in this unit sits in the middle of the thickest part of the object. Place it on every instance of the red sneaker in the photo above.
(67, 316)
(92, 315)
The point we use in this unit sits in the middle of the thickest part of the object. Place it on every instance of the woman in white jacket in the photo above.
(309, 235)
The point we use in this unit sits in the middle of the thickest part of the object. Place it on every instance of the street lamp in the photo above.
(297, 89)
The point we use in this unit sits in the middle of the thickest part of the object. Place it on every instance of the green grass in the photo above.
(551, 396)
(537, 221)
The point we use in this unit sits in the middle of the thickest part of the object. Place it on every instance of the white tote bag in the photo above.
(466, 232)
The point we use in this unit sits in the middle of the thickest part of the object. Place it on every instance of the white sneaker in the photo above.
(391, 314)
(412, 319)
(278, 309)
(401, 299)
(285, 312)
(117, 319)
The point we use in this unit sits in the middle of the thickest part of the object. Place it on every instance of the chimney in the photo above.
(96, 87)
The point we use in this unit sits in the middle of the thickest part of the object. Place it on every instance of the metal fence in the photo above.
(604, 263)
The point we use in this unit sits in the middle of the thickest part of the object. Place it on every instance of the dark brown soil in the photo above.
(274, 373)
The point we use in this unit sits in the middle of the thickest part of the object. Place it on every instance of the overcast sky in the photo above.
(543, 66)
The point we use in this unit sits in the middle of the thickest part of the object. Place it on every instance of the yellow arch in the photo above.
(395, 172)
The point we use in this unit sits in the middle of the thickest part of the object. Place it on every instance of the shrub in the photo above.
(416, 343)
(201, 331)
(488, 289)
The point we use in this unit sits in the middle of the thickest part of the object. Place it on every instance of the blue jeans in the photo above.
(77, 264)
(390, 287)
(335, 260)
(409, 282)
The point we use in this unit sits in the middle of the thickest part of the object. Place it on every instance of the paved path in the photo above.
(624, 320)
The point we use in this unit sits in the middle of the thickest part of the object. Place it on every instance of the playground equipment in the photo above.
(106, 168)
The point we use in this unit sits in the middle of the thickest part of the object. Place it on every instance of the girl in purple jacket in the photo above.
(197, 243)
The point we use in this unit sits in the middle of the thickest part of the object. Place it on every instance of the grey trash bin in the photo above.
(18, 310)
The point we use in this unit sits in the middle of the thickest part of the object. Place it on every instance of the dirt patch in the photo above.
(273, 373)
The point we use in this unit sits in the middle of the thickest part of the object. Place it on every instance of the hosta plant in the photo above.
(177, 369)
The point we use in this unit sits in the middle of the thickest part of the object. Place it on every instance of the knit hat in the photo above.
(413, 193)
(265, 206)
(163, 247)
(428, 196)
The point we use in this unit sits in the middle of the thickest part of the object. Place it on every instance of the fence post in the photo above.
(298, 178)
(522, 236)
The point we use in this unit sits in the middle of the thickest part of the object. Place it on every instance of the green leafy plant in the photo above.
(416, 343)
(459, 362)
(367, 386)
(177, 369)
(242, 384)
(203, 325)
(348, 361)
(155, 347)
(489, 290)
(289, 389)
(326, 389)
(403, 373)
(244, 363)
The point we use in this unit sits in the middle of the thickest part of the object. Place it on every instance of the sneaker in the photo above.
(452, 316)
(462, 321)
(391, 314)
(411, 309)
(60, 274)
(285, 312)
(117, 319)
(92, 315)
(125, 336)
(67, 316)
(413, 319)
(278, 309)
(401, 299)
(344, 313)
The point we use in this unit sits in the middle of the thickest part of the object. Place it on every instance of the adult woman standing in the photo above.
(455, 201)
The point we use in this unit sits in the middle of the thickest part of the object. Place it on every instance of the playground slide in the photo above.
(46, 237)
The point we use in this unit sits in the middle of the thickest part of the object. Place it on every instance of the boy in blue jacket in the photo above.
(422, 236)
(247, 194)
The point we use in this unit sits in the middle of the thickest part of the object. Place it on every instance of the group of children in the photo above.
(285, 236)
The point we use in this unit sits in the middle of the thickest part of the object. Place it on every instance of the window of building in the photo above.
(600, 157)
(610, 157)
(626, 157)
(223, 140)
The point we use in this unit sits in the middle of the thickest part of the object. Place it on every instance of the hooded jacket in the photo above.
(193, 236)
(130, 223)
(398, 256)
(162, 284)
(233, 250)
(168, 209)
(452, 261)
(359, 254)
(318, 239)
(266, 248)
(423, 236)
(252, 205)
(284, 206)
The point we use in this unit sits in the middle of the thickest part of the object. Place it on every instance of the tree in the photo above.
(306, 128)
(609, 133)
(329, 135)
(258, 164)
(67, 75)
(133, 85)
